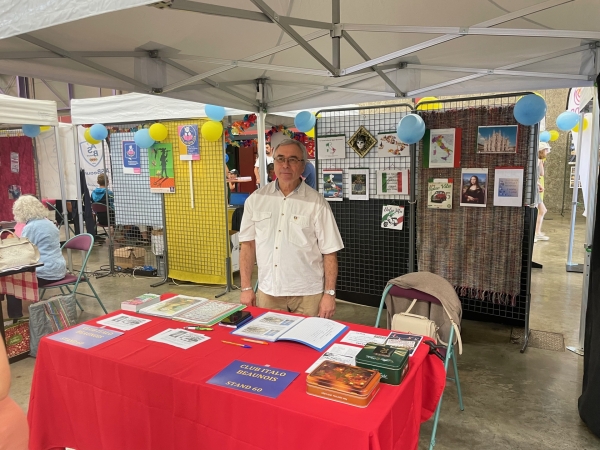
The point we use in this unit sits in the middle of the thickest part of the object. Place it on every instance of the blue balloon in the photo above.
(34, 130)
(214, 112)
(98, 132)
(226, 158)
(142, 138)
(305, 121)
(567, 120)
(544, 136)
(411, 129)
(530, 109)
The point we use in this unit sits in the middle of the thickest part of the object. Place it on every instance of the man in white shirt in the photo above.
(268, 159)
(289, 229)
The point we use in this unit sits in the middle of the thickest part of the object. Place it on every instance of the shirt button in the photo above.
(276, 248)
(275, 265)
(282, 214)
(280, 231)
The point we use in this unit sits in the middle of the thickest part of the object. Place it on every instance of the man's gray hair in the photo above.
(289, 141)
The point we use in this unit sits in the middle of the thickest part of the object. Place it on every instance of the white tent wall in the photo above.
(47, 159)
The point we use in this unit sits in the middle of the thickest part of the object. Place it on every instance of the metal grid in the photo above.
(138, 213)
(497, 104)
(372, 255)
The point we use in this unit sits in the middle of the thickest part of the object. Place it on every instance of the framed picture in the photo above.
(392, 182)
(473, 190)
(439, 193)
(441, 148)
(331, 147)
(508, 186)
(359, 184)
(388, 145)
(333, 185)
(362, 141)
(497, 139)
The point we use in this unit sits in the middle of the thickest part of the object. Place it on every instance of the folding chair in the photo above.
(104, 216)
(83, 242)
(450, 351)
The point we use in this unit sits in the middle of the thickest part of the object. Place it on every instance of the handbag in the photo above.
(17, 338)
(17, 252)
(48, 316)
(416, 324)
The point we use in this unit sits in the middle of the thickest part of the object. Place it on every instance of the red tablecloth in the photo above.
(131, 393)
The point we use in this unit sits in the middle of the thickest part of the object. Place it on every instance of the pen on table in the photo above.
(255, 341)
(228, 326)
(199, 328)
(235, 343)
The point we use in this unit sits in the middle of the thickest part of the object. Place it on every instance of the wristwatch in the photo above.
(330, 292)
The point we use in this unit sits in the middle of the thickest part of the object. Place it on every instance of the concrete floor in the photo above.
(512, 400)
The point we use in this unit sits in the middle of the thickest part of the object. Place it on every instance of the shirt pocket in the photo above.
(262, 221)
(299, 230)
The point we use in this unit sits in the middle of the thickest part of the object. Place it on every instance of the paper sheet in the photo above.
(123, 322)
(362, 339)
(179, 338)
(345, 354)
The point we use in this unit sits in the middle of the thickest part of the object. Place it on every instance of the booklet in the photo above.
(85, 336)
(168, 308)
(314, 332)
(362, 339)
(123, 322)
(179, 338)
(341, 353)
(197, 310)
(404, 340)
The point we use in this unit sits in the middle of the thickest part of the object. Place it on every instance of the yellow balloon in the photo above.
(554, 135)
(576, 127)
(158, 132)
(88, 138)
(429, 106)
(44, 128)
(212, 130)
(311, 133)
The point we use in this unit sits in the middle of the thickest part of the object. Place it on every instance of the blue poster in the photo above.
(189, 149)
(255, 379)
(85, 336)
(131, 158)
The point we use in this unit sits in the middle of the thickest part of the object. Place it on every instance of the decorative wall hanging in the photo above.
(392, 217)
(331, 147)
(160, 160)
(359, 184)
(439, 193)
(333, 185)
(508, 186)
(389, 145)
(497, 139)
(441, 148)
(392, 182)
(362, 141)
(474, 187)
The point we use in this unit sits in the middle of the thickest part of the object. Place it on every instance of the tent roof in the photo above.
(136, 107)
(215, 51)
(21, 111)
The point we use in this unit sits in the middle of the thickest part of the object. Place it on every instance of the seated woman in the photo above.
(46, 237)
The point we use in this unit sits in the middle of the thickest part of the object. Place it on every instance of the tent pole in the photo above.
(335, 39)
(591, 212)
(260, 130)
(571, 267)
(228, 275)
(78, 181)
(63, 192)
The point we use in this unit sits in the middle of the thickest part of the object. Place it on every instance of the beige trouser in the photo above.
(302, 304)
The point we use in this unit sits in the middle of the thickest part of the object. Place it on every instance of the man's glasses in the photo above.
(292, 160)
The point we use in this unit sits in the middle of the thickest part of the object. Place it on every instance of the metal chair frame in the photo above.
(450, 356)
(80, 276)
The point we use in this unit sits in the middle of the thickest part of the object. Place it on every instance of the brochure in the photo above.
(208, 312)
(362, 339)
(179, 338)
(123, 322)
(404, 340)
(345, 354)
(314, 332)
(168, 308)
(85, 336)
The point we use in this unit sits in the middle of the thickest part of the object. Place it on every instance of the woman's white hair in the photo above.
(27, 208)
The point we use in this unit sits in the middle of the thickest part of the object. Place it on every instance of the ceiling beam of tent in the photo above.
(38, 55)
(527, 62)
(285, 26)
(322, 87)
(210, 83)
(310, 94)
(226, 11)
(83, 61)
(366, 57)
(465, 31)
(55, 92)
(448, 37)
(515, 73)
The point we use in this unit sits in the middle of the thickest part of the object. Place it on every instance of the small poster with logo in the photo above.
(14, 162)
(392, 217)
(508, 189)
(333, 185)
(160, 162)
(189, 148)
(131, 158)
(392, 182)
(439, 193)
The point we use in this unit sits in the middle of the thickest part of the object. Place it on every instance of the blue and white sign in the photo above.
(131, 158)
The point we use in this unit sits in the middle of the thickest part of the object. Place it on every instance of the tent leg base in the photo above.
(576, 350)
(576, 268)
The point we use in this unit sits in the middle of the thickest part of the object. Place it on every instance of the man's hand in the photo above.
(327, 306)
(248, 298)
